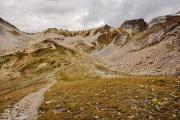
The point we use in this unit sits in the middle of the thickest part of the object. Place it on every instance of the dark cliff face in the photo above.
(136, 25)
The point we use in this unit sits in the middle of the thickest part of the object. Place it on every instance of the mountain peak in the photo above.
(136, 24)
(106, 26)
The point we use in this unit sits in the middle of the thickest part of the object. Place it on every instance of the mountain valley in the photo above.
(129, 72)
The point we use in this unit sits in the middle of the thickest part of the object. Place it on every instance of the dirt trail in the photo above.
(27, 108)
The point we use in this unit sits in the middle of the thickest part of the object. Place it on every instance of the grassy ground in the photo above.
(113, 99)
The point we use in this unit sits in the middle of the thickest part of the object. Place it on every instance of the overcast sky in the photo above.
(37, 15)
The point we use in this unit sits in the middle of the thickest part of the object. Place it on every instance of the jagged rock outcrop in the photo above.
(135, 25)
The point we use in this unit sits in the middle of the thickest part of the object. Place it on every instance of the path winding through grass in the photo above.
(27, 108)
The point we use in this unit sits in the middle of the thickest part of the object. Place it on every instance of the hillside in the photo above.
(91, 74)
(136, 47)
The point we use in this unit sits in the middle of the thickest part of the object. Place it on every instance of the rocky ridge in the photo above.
(136, 47)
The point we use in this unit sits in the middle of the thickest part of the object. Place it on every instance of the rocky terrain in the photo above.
(135, 49)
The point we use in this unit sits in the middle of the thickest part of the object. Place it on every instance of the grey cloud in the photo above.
(37, 15)
(115, 14)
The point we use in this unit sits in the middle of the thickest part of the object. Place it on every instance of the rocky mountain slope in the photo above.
(135, 48)
(153, 51)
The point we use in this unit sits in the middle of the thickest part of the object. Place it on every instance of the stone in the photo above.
(96, 117)
(131, 117)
